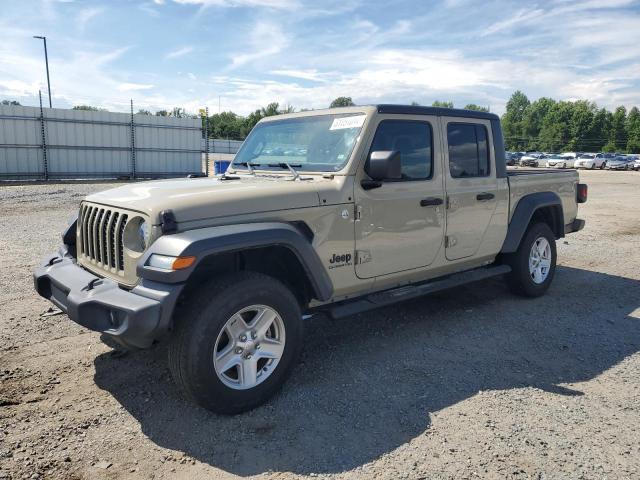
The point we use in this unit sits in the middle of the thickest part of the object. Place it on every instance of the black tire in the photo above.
(198, 324)
(520, 280)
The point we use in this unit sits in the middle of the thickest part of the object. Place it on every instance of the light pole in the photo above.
(46, 61)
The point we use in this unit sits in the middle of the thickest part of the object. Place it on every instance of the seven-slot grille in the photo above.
(101, 230)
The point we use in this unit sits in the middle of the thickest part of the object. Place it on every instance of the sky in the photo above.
(240, 55)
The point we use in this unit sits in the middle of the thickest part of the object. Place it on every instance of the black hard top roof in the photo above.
(438, 111)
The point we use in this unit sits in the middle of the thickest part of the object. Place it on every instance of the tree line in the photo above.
(544, 124)
(549, 125)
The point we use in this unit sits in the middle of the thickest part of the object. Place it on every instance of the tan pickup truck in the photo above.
(334, 211)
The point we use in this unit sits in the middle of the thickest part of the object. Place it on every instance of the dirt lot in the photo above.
(466, 384)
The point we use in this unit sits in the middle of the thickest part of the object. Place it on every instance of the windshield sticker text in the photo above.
(355, 121)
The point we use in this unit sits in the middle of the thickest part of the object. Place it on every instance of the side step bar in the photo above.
(389, 297)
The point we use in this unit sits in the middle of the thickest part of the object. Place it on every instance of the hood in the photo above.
(201, 198)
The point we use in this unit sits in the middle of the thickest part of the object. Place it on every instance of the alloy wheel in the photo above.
(540, 260)
(249, 347)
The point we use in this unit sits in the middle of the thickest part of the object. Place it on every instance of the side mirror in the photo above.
(384, 165)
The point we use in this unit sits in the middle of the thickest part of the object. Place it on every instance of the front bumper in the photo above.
(133, 318)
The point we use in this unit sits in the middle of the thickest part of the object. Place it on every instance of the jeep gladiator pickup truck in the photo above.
(336, 211)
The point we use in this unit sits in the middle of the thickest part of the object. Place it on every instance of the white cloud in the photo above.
(307, 56)
(132, 87)
(312, 75)
(277, 4)
(266, 39)
(180, 52)
(86, 15)
(521, 16)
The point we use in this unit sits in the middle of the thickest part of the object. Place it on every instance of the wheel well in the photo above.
(552, 216)
(276, 261)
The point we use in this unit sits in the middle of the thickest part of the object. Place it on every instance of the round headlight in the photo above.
(143, 234)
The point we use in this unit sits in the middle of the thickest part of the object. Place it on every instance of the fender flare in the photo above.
(204, 242)
(523, 214)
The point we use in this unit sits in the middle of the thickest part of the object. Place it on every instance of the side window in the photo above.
(468, 150)
(414, 142)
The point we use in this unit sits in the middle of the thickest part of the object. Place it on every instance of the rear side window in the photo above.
(468, 150)
(414, 142)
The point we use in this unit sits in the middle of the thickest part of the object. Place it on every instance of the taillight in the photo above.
(581, 193)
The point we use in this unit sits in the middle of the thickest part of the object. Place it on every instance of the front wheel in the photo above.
(533, 265)
(236, 342)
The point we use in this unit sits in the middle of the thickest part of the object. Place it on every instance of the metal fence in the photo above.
(37, 143)
(217, 145)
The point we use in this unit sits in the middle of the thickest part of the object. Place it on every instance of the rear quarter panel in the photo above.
(561, 182)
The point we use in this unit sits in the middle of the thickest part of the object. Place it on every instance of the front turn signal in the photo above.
(167, 262)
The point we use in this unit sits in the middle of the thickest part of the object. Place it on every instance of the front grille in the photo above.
(101, 230)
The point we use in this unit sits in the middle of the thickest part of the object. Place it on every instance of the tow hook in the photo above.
(53, 261)
(93, 283)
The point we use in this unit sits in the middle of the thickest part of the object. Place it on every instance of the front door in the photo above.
(400, 225)
(472, 186)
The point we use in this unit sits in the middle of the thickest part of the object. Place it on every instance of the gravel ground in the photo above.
(471, 383)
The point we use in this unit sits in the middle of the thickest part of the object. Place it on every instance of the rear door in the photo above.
(400, 225)
(471, 184)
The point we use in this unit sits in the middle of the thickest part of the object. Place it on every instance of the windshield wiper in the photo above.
(249, 166)
(293, 171)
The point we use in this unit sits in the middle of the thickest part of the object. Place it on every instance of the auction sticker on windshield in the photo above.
(355, 121)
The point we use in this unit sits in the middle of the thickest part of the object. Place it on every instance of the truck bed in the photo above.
(562, 182)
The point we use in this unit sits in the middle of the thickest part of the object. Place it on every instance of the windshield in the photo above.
(322, 143)
(588, 156)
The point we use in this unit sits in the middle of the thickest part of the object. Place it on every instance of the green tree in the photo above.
(442, 104)
(162, 113)
(618, 134)
(415, 104)
(478, 108)
(555, 132)
(342, 102)
(226, 125)
(142, 111)
(88, 108)
(599, 131)
(9, 102)
(633, 131)
(512, 121)
(582, 116)
(531, 122)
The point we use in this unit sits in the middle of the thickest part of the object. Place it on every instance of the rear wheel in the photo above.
(533, 265)
(236, 342)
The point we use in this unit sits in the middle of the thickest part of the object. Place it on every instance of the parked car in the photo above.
(560, 160)
(636, 163)
(226, 269)
(620, 163)
(590, 161)
(511, 158)
(533, 159)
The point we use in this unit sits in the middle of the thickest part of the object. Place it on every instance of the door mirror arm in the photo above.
(367, 184)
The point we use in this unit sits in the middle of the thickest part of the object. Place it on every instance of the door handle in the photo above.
(431, 202)
(484, 196)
